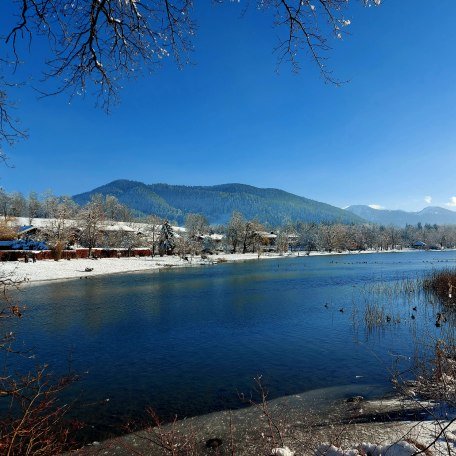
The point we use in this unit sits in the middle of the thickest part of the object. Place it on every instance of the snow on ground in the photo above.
(401, 448)
(402, 439)
(304, 432)
(45, 270)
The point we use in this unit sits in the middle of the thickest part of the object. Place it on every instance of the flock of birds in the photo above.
(441, 317)
(341, 310)
(432, 261)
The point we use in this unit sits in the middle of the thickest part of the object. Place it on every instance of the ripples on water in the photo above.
(187, 341)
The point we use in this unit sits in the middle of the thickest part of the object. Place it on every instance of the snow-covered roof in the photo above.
(25, 229)
(214, 236)
(267, 235)
(108, 225)
(117, 227)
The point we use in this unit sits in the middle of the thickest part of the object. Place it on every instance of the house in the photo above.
(23, 244)
(26, 231)
(419, 245)
(7, 245)
(268, 239)
(212, 242)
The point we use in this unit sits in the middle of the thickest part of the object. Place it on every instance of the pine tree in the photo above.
(166, 244)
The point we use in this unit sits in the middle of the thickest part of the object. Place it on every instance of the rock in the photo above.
(213, 443)
(355, 399)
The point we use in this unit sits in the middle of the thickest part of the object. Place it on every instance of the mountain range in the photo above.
(268, 205)
(217, 203)
(429, 215)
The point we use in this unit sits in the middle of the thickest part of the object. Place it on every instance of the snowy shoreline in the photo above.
(54, 271)
(381, 433)
(342, 428)
(50, 270)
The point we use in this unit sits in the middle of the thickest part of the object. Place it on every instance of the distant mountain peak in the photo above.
(429, 215)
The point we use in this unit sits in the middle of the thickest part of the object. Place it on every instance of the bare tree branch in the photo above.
(93, 45)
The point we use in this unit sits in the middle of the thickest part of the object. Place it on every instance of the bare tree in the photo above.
(251, 235)
(50, 203)
(18, 204)
(327, 238)
(91, 218)
(282, 243)
(10, 132)
(243, 233)
(308, 236)
(95, 44)
(234, 231)
(33, 207)
(196, 225)
(61, 226)
(115, 210)
(126, 239)
(153, 232)
(183, 246)
(309, 25)
(5, 204)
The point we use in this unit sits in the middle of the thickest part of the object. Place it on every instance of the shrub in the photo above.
(57, 250)
(443, 284)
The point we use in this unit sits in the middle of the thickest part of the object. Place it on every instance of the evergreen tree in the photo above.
(166, 243)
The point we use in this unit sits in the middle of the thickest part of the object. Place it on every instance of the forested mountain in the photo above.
(429, 215)
(218, 202)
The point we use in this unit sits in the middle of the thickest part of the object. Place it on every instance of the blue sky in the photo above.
(387, 137)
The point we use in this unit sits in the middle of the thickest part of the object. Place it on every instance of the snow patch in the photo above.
(285, 451)
(401, 448)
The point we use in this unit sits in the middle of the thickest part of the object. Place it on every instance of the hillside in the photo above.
(429, 215)
(218, 202)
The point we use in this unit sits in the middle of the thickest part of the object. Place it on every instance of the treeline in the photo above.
(245, 236)
(49, 205)
(338, 237)
(92, 225)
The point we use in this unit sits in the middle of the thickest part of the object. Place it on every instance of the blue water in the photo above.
(186, 341)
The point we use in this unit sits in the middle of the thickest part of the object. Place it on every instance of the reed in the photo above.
(442, 284)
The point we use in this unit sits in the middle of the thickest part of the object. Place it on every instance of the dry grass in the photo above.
(443, 284)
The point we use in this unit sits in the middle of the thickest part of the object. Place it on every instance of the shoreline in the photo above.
(63, 270)
(250, 426)
(341, 422)
(44, 271)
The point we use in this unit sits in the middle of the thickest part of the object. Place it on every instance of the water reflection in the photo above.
(186, 341)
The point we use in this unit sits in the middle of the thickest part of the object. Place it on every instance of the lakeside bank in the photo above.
(50, 270)
(313, 423)
(369, 432)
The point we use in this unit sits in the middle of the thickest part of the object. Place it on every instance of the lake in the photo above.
(187, 341)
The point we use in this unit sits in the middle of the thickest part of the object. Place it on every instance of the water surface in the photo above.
(186, 341)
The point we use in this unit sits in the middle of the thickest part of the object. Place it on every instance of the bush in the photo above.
(443, 284)
(57, 251)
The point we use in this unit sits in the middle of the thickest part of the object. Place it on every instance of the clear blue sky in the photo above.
(387, 137)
